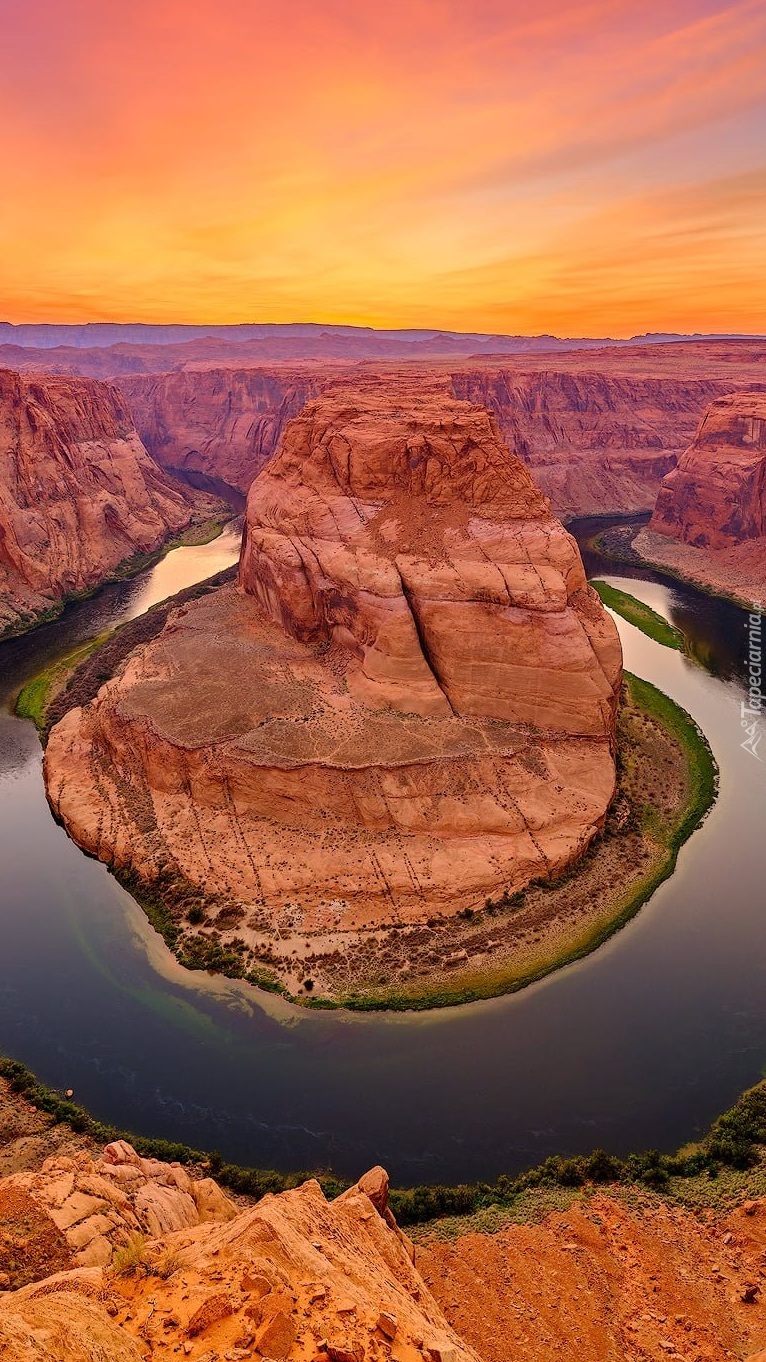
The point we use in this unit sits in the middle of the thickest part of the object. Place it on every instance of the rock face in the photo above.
(95, 1205)
(716, 497)
(598, 442)
(409, 704)
(290, 1277)
(78, 492)
(224, 423)
(709, 524)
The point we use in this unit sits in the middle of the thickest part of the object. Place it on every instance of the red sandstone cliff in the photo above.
(225, 423)
(709, 523)
(599, 442)
(78, 492)
(716, 497)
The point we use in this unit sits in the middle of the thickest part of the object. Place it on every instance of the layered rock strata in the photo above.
(599, 442)
(716, 497)
(223, 423)
(78, 492)
(710, 519)
(409, 703)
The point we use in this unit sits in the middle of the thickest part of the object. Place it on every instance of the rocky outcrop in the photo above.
(78, 493)
(294, 1276)
(95, 1205)
(613, 1272)
(709, 524)
(409, 704)
(716, 497)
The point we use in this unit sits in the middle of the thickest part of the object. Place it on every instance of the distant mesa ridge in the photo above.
(86, 334)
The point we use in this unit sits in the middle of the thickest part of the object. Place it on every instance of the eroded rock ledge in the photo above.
(408, 704)
(125, 1257)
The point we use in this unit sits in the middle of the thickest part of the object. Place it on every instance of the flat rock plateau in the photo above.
(79, 495)
(407, 704)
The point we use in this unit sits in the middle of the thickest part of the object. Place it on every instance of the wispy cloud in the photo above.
(567, 166)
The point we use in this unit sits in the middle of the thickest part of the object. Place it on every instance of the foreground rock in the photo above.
(77, 1210)
(618, 1273)
(184, 1270)
(712, 507)
(409, 705)
(614, 1277)
(78, 493)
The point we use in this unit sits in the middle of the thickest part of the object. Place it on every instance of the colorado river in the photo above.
(640, 1045)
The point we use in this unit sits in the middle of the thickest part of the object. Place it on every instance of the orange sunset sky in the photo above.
(500, 165)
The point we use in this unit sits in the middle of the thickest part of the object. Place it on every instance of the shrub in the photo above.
(132, 1260)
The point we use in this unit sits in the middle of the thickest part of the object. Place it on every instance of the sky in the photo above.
(486, 165)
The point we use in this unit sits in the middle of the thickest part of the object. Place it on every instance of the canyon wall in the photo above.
(599, 442)
(78, 492)
(409, 705)
(709, 523)
(716, 497)
(224, 423)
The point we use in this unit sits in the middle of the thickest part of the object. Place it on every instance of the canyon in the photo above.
(388, 542)
(408, 704)
(600, 430)
(600, 425)
(598, 443)
(79, 495)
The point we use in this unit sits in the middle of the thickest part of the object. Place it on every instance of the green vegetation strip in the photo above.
(702, 785)
(736, 1141)
(641, 615)
(34, 698)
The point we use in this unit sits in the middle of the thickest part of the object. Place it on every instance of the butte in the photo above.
(405, 704)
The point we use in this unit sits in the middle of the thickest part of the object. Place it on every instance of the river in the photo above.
(640, 1045)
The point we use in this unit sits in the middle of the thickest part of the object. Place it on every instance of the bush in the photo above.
(132, 1260)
